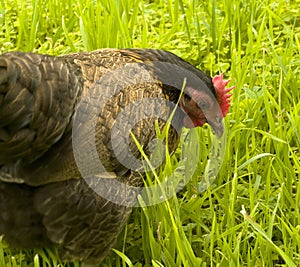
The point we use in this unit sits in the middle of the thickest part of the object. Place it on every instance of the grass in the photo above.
(250, 215)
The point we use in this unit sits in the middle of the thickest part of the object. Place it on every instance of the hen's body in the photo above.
(43, 199)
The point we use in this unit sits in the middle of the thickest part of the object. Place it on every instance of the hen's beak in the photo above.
(217, 126)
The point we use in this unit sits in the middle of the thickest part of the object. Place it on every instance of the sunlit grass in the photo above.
(256, 44)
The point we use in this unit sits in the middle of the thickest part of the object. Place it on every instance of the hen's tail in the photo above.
(37, 98)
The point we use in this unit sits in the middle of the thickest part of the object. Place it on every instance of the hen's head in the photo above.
(204, 99)
(211, 106)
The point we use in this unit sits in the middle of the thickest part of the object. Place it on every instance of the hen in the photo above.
(55, 112)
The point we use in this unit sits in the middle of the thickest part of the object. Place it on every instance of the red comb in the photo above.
(222, 93)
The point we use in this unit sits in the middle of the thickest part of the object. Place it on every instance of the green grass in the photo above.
(250, 215)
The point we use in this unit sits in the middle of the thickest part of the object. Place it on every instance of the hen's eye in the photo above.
(187, 97)
(203, 104)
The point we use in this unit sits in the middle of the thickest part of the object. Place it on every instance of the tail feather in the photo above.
(37, 98)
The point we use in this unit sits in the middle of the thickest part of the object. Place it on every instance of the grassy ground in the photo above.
(250, 216)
